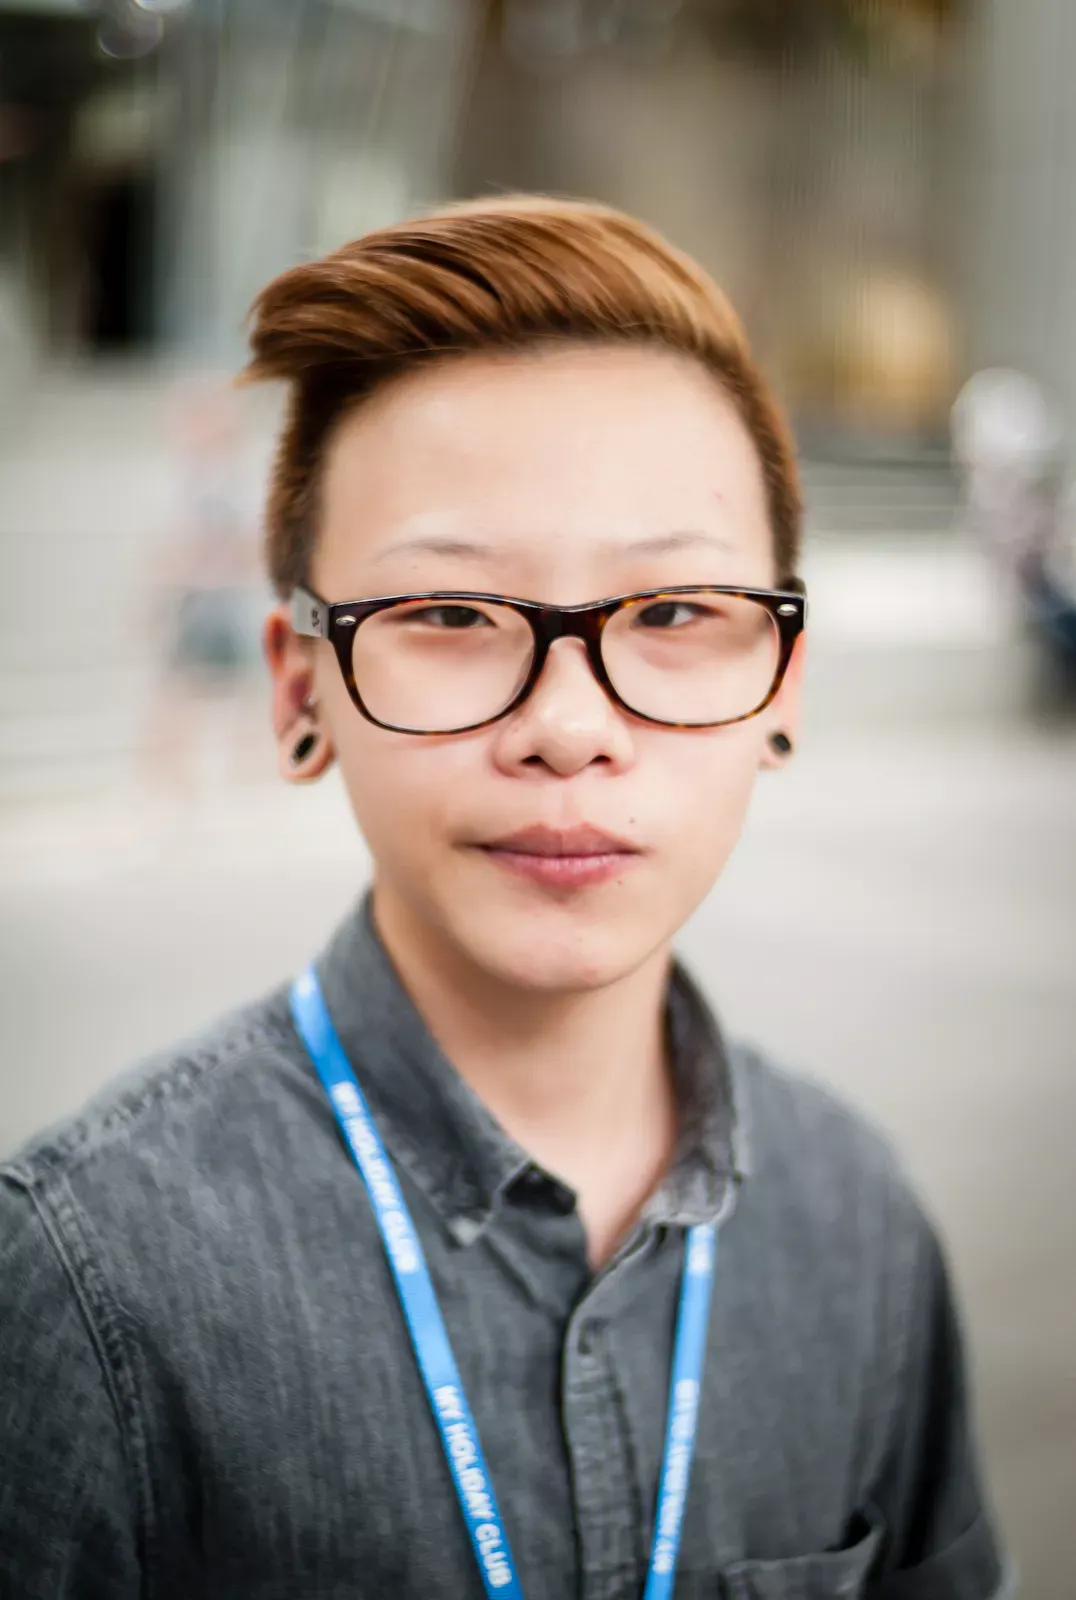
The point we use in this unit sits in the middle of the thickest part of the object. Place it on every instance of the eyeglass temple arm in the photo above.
(309, 615)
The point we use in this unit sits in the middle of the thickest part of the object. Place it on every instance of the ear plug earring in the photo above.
(303, 748)
(780, 744)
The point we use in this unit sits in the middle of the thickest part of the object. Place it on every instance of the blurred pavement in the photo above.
(899, 920)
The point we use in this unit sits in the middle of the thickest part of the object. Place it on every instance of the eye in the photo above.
(665, 614)
(454, 618)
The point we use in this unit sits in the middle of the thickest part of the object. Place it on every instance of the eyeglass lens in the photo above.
(438, 666)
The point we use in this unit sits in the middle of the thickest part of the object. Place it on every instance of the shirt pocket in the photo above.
(831, 1575)
(970, 1567)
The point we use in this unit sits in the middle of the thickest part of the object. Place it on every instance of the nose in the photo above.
(567, 723)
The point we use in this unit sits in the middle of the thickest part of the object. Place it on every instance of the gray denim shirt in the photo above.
(207, 1389)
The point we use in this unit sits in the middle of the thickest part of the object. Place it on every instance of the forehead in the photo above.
(538, 460)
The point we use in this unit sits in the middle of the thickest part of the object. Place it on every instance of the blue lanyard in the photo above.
(437, 1364)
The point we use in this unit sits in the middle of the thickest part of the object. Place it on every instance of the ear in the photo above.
(783, 714)
(304, 744)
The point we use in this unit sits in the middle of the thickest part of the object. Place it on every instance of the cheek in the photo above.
(701, 785)
(401, 787)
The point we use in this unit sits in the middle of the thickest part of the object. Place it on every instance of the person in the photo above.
(476, 1259)
(1010, 447)
(204, 594)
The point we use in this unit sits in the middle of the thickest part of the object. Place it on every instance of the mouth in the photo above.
(563, 858)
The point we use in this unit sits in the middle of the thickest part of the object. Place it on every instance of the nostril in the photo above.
(598, 758)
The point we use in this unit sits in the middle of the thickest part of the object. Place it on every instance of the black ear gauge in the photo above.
(303, 748)
(780, 744)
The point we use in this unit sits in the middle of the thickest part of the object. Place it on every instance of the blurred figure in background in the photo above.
(206, 594)
(1019, 502)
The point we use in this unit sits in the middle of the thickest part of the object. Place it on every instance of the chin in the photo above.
(557, 949)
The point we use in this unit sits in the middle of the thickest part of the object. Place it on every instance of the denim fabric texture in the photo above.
(207, 1389)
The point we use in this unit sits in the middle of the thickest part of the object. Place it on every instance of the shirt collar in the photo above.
(450, 1144)
(712, 1153)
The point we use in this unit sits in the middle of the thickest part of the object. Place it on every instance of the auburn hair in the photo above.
(489, 275)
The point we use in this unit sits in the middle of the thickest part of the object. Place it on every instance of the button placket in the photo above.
(607, 1496)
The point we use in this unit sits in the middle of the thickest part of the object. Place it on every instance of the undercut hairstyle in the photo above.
(514, 273)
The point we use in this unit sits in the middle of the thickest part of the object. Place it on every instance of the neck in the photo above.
(580, 1081)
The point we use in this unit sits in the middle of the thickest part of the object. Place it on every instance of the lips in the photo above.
(563, 858)
(538, 840)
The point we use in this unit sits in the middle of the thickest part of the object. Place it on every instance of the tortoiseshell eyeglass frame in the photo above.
(338, 620)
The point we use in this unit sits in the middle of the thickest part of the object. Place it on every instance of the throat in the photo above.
(610, 1141)
(614, 1190)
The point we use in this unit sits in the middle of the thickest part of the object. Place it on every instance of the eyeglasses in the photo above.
(450, 662)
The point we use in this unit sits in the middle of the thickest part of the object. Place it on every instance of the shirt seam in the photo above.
(54, 1162)
(911, 1303)
(902, 1309)
(58, 1214)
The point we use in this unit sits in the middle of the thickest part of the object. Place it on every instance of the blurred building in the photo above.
(160, 160)
(881, 184)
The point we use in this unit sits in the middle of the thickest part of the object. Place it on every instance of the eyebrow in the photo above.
(663, 544)
(472, 550)
(432, 544)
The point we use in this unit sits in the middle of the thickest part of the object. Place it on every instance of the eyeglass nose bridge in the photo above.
(572, 622)
(586, 623)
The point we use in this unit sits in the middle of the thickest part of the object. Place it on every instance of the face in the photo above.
(564, 477)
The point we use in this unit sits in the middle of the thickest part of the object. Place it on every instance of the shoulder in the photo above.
(126, 1220)
(124, 1234)
(821, 1171)
(169, 1109)
(835, 1246)
(861, 1283)
(799, 1123)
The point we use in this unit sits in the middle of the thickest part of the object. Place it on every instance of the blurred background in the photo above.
(885, 189)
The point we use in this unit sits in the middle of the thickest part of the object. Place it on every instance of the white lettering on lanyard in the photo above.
(447, 1401)
(463, 1449)
(395, 1225)
(677, 1472)
(493, 1557)
(700, 1255)
(472, 1480)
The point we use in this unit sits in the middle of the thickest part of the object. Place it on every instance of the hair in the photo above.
(503, 274)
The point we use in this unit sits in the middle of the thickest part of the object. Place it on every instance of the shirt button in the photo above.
(588, 1337)
(556, 1195)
